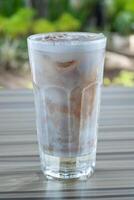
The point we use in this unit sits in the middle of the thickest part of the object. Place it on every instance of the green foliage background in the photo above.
(66, 15)
(17, 21)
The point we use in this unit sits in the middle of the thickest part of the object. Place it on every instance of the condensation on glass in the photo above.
(67, 71)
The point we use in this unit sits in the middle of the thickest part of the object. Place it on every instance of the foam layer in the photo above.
(70, 41)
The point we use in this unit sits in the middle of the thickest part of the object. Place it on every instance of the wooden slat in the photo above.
(20, 173)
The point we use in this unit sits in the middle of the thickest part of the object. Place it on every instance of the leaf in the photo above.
(67, 22)
(19, 23)
(130, 5)
(43, 26)
(123, 22)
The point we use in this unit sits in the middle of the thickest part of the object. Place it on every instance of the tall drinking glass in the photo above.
(67, 71)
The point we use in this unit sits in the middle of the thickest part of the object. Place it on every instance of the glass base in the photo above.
(68, 168)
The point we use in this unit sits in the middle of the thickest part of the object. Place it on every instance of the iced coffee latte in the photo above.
(67, 71)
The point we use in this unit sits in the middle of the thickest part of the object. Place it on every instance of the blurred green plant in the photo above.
(43, 26)
(129, 6)
(107, 81)
(81, 10)
(3, 21)
(23, 23)
(124, 22)
(120, 15)
(8, 8)
(20, 23)
(67, 22)
(29, 85)
(125, 78)
(57, 8)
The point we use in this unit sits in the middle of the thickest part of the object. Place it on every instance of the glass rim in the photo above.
(82, 40)
(98, 35)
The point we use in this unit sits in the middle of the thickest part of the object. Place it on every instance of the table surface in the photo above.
(20, 173)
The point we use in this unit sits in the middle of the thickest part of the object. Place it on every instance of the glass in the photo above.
(67, 71)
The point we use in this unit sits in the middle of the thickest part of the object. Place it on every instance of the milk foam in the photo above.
(67, 42)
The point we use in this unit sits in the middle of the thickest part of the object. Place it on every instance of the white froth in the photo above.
(67, 42)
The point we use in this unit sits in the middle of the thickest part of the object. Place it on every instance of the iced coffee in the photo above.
(67, 71)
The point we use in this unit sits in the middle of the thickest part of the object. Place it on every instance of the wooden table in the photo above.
(20, 174)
